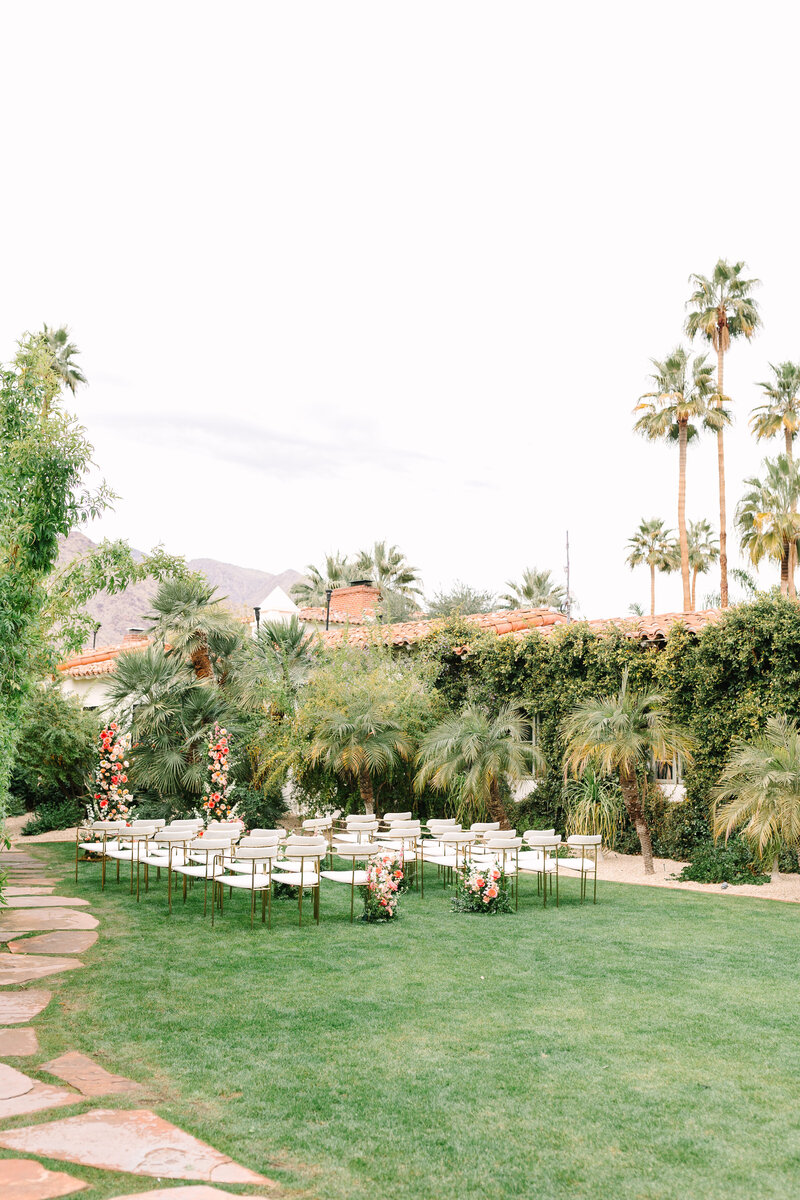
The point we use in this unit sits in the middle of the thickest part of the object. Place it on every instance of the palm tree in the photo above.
(759, 791)
(722, 309)
(188, 615)
(703, 551)
(767, 517)
(64, 352)
(538, 589)
(360, 741)
(623, 734)
(473, 752)
(170, 714)
(682, 388)
(654, 545)
(337, 571)
(282, 655)
(780, 414)
(389, 570)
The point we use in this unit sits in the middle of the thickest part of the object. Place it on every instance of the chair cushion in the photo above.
(359, 877)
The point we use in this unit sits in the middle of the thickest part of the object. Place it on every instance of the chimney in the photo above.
(134, 635)
(358, 601)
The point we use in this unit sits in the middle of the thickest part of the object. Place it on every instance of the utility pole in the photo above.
(569, 596)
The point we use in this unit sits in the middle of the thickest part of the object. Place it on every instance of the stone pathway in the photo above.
(136, 1141)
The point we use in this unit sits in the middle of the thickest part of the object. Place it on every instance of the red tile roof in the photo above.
(406, 633)
(101, 660)
(656, 628)
(317, 617)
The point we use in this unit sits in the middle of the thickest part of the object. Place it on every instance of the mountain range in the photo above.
(243, 586)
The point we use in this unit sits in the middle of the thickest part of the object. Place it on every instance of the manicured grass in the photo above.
(645, 1048)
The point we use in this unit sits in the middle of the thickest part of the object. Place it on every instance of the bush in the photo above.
(60, 815)
(56, 754)
(731, 863)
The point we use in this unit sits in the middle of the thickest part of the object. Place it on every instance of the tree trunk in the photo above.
(652, 590)
(723, 532)
(694, 588)
(365, 791)
(633, 805)
(683, 434)
(201, 661)
(793, 543)
(496, 809)
(774, 874)
(785, 570)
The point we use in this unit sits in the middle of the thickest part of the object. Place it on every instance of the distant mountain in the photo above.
(244, 587)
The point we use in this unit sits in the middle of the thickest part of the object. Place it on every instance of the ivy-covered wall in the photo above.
(722, 683)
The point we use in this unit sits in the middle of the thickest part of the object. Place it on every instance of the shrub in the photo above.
(56, 754)
(726, 863)
(62, 814)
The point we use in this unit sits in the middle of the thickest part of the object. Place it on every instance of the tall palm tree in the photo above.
(390, 570)
(64, 352)
(360, 741)
(654, 545)
(722, 309)
(537, 589)
(473, 752)
(703, 551)
(188, 615)
(780, 414)
(623, 734)
(280, 658)
(759, 791)
(767, 517)
(337, 571)
(682, 388)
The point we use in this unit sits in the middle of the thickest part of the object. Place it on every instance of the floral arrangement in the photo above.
(384, 877)
(481, 888)
(217, 805)
(111, 800)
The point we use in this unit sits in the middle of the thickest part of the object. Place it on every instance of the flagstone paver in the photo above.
(13, 1082)
(45, 902)
(22, 968)
(24, 1179)
(26, 920)
(138, 1141)
(193, 1191)
(87, 1076)
(62, 941)
(18, 1043)
(30, 891)
(17, 1008)
(39, 1097)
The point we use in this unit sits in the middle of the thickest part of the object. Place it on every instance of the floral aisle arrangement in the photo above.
(217, 790)
(384, 877)
(481, 887)
(111, 800)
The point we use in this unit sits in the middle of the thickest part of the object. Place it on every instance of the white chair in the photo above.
(358, 831)
(266, 832)
(541, 860)
(484, 827)
(173, 843)
(588, 847)
(390, 818)
(505, 852)
(355, 852)
(203, 860)
(302, 868)
(257, 879)
(454, 849)
(97, 842)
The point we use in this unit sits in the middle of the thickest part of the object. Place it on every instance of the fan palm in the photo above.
(189, 616)
(64, 352)
(283, 654)
(389, 570)
(594, 806)
(759, 791)
(474, 752)
(362, 742)
(722, 309)
(537, 589)
(622, 734)
(171, 715)
(780, 414)
(337, 571)
(767, 516)
(682, 388)
(703, 551)
(654, 545)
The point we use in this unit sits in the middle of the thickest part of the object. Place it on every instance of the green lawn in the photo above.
(644, 1048)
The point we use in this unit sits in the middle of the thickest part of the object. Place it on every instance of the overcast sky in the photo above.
(347, 271)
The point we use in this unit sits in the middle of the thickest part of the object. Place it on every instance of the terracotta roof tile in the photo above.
(406, 633)
(101, 660)
(317, 615)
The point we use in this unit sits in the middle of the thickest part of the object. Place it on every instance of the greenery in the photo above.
(638, 1069)
(767, 517)
(56, 755)
(654, 545)
(461, 600)
(385, 566)
(536, 589)
(594, 806)
(731, 862)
